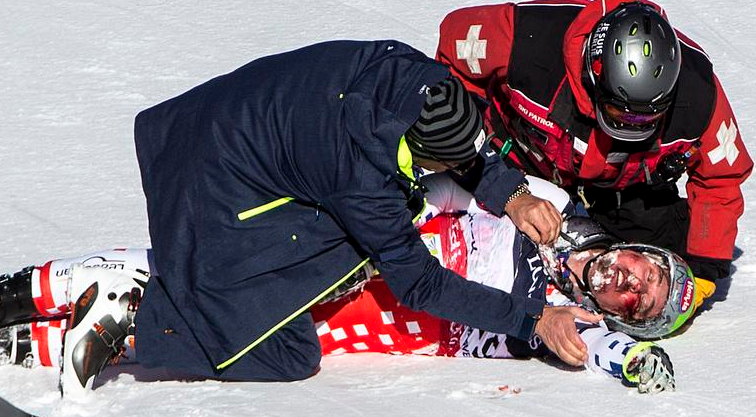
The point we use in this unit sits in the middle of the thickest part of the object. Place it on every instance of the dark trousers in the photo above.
(291, 353)
(640, 214)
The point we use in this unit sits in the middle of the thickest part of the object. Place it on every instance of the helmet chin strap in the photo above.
(582, 294)
(578, 234)
(583, 283)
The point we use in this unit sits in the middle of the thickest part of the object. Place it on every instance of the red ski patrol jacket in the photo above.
(527, 60)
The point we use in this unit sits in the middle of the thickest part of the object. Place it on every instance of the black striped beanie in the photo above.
(448, 125)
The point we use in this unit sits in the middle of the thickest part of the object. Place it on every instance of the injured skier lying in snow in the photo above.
(643, 291)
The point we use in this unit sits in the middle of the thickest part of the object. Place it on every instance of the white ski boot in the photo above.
(102, 316)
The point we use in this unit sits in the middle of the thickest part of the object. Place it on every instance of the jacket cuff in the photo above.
(497, 183)
(708, 268)
(533, 312)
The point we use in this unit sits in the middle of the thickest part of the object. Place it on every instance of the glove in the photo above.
(648, 367)
(704, 290)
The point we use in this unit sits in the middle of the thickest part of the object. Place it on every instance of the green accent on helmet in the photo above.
(633, 69)
(618, 47)
(647, 48)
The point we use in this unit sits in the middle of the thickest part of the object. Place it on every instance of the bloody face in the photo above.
(629, 284)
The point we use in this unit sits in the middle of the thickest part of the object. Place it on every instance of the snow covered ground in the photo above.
(73, 75)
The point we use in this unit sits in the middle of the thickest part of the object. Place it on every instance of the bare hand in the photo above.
(557, 330)
(537, 218)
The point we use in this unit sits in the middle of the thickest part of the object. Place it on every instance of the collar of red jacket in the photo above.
(574, 43)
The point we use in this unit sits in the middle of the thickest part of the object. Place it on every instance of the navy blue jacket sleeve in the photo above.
(380, 223)
(491, 181)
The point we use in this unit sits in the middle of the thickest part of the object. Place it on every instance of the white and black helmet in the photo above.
(633, 62)
(582, 233)
(679, 306)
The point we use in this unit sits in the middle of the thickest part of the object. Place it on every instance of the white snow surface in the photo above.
(74, 74)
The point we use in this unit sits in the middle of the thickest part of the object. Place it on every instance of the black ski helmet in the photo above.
(633, 61)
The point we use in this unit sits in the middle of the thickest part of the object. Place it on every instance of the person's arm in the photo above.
(381, 225)
(643, 365)
(444, 195)
(720, 166)
(501, 190)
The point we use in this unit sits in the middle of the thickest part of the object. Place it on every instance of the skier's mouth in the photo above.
(631, 302)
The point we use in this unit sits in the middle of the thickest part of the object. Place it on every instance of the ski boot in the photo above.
(102, 317)
(16, 302)
(15, 346)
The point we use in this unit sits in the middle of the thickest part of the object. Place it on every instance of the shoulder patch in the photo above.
(472, 49)
(727, 149)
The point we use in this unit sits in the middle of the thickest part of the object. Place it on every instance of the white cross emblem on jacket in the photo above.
(472, 49)
(727, 149)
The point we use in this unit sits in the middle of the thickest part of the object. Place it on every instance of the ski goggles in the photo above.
(629, 121)
(626, 125)
(622, 117)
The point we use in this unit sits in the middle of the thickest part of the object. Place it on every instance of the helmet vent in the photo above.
(632, 68)
(622, 91)
(662, 33)
(633, 29)
(647, 48)
(617, 47)
(646, 25)
(658, 97)
(658, 71)
(672, 53)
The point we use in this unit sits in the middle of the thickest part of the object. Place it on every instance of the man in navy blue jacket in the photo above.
(269, 186)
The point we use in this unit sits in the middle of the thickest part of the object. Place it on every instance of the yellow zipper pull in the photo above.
(581, 194)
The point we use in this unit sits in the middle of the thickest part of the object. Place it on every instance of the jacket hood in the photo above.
(574, 47)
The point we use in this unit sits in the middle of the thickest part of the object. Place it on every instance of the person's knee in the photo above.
(292, 353)
(301, 369)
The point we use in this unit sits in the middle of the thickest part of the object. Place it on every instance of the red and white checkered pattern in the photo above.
(374, 321)
(47, 342)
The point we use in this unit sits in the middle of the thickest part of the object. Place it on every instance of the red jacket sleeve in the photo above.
(476, 42)
(713, 187)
